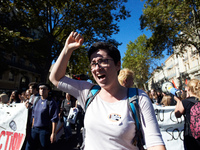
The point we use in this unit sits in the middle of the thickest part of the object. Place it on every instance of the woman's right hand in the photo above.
(74, 41)
(179, 109)
(58, 71)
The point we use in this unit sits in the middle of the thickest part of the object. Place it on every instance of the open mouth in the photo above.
(101, 77)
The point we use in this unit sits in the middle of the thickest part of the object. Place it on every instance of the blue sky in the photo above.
(130, 28)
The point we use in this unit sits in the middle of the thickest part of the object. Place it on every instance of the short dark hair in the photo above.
(111, 50)
(34, 85)
(45, 84)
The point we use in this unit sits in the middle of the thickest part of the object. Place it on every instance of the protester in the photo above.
(183, 94)
(64, 112)
(102, 132)
(149, 95)
(125, 77)
(184, 108)
(3, 98)
(33, 89)
(27, 94)
(159, 96)
(79, 124)
(166, 100)
(14, 97)
(45, 118)
(153, 96)
(22, 97)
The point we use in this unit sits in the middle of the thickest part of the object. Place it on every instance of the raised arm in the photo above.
(179, 109)
(73, 42)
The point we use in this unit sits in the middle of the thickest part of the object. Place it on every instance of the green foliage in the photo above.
(40, 28)
(172, 23)
(79, 62)
(138, 59)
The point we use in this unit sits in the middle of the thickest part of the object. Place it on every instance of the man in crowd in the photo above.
(65, 108)
(34, 92)
(3, 98)
(44, 120)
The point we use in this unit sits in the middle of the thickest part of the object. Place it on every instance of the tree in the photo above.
(172, 23)
(44, 26)
(138, 58)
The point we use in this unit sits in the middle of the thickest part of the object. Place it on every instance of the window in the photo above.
(23, 80)
(22, 61)
(13, 59)
(11, 76)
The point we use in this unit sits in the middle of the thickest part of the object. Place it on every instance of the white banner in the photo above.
(13, 121)
(59, 130)
(171, 128)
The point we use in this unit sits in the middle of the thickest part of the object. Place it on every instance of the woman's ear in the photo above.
(118, 65)
(124, 82)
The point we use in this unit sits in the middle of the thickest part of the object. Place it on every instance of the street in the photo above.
(62, 144)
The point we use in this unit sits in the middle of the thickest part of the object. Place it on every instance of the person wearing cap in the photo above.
(45, 118)
(3, 98)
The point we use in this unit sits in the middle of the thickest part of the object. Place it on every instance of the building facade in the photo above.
(177, 69)
(18, 74)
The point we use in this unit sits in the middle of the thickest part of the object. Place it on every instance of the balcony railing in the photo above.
(21, 66)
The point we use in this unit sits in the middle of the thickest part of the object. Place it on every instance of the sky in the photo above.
(130, 28)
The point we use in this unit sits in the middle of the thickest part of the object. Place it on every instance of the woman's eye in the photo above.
(92, 64)
(100, 61)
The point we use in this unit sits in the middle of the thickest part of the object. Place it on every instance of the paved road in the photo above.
(63, 144)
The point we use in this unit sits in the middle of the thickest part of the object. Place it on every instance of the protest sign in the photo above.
(13, 121)
(172, 128)
(59, 130)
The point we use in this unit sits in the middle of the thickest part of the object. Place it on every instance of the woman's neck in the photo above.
(113, 94)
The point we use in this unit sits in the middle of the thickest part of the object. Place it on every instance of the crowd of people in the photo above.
(100, 131)
(44, 111)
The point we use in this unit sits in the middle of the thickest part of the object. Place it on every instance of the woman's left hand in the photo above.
(53, 137)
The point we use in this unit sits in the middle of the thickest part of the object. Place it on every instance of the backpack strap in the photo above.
(92, 93)
(134, 107)
(132, 100)
(133, 103)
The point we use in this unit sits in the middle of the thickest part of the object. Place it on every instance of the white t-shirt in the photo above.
(110, 126)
